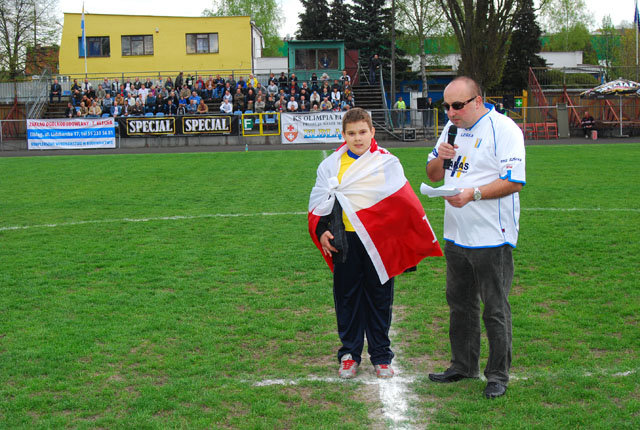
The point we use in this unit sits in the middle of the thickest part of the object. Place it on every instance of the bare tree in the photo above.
(421, 19)
(483, 29)
(23, 24)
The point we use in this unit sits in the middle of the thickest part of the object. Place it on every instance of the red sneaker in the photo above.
(348, 367)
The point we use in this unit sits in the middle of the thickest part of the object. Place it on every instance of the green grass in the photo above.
(170, 322)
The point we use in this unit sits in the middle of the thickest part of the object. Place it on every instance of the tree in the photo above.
(313, 20)
(421, 19)
(608, 45)
(266, 14)
(563, 17)
(523, 49)
(483, 29)
(577, 38)
(339, 17)
(25, 24)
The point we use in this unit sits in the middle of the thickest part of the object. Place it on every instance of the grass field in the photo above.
(158, 291)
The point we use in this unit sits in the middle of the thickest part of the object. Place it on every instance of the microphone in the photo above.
(451, 138)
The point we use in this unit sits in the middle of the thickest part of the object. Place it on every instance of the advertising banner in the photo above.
(74, 133)
(189, 125)
(321, 127)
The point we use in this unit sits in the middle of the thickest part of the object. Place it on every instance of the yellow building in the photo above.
(128, 44)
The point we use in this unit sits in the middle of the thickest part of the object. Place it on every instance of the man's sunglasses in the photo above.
(457, 105)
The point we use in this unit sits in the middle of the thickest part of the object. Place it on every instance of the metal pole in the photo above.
(393, 52)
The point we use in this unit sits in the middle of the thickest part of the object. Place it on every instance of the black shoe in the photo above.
(494, 389)
(448, 376)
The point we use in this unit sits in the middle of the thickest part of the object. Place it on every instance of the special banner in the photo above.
(144, 126)
(71, 133)
(321, 127)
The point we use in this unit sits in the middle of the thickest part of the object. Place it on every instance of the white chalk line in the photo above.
(257, 214)
(407, 379)
(162, 218)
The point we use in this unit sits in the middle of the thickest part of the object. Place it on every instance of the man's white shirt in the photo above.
(492, 148)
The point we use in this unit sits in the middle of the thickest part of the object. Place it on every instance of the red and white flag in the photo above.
(382, 207)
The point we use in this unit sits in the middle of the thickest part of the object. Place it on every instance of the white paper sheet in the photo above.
(438, 192)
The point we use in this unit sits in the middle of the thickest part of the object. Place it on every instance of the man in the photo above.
(400, 108)
(487, 165)
(587, 124)
(115, 110)
(56, 91)
(70, 111)
(374, 66)
(430, 107)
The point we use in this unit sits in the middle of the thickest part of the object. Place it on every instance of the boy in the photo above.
(370, 226)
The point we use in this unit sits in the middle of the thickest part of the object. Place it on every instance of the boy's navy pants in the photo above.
(363, 305)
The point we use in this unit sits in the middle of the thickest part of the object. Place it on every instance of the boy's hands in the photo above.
(327, 248)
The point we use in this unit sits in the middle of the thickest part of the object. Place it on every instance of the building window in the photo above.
(96, 47)
(202, 43)
(137, 45)
(316, 59)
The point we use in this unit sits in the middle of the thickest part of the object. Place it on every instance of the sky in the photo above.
(620, 10)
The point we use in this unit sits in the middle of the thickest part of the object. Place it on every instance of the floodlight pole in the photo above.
(393, 52)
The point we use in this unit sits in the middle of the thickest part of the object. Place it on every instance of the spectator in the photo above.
(70, 111)
(314, 79)
(192, 107)
(400, 108)
(283, 81)
(170, 108)
(184, 92)
(150, 103)
(348, 103)
(56, 91)
(196, 97)
(374, 67)
(270, 104)
(335, 98)
(160, 104)
(179, 81)
(126, 108)
(137, 84)
(226, 107)
(76, 98)
(190, 82)
(231, 83)
(260, 104)
(168, 84)
(174, 98)
(336, 85)
(303, 105)
(94, 110)
(587, 124)
(182, 109)
(119, 98)
(272, 79)
(100, 93)
(292, 106)
(251, 96)
(75, 86)
(253, 81)
(115, 87)
(345, 78)
(83, 110)
(107, 102)
(281, 104)
(116, 110)
(326, 105)
(149, 84)
(315, 98)
(138, 109)
(105, 84)
(227, 96)
(241, 84)
(143, 93)
(202, 107)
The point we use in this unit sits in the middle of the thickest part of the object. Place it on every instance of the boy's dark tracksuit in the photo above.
(363, 305)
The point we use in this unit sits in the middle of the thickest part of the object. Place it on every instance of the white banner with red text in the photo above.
(320, 127)
(75, 133)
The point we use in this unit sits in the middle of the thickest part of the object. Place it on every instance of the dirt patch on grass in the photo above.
(370, 394)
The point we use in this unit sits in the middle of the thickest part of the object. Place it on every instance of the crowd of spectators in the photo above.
(193, 95)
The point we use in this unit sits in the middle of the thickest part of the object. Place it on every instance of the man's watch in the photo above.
(477, 195)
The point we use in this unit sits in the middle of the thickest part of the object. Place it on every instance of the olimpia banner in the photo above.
(321, 127)
(178, 125)
(79, 133)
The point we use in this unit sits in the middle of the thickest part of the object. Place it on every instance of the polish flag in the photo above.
(382, 207)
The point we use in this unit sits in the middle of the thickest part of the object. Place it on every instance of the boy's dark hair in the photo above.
(356, 115)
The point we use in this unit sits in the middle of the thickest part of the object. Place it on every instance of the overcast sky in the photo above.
(620, 10)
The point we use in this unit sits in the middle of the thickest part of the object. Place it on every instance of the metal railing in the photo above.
(39, 95)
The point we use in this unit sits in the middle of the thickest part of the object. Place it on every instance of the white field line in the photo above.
(367, 379)
(188, 217)
(162, 218)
